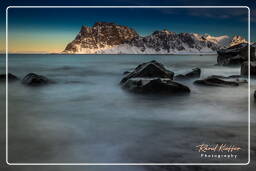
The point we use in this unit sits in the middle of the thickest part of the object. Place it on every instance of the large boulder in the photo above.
(244, 68)
(235, 55)
(154, 85)
(195, 73)
(152, 69)
(35, 80)
(216, 80)
(10, 77)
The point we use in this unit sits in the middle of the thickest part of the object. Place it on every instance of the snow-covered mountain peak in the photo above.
(237, 40)
(162, 32)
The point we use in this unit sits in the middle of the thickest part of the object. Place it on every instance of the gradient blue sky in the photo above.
(49, 30)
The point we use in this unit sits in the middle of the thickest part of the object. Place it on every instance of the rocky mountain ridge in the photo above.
(110, 38)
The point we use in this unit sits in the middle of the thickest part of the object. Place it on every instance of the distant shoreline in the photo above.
(179, 54)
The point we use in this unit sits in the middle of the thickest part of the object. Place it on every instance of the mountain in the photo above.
(110, 38)
(237, 40)
(100, 37)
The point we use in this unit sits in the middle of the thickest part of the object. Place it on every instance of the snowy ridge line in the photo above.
(110, 38)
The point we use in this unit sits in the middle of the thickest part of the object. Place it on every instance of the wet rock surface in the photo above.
(152, 77)
(152, 69)
(33, 79)
(216, 80)
(195, 73)
(235, 55)
(154, 85)
(237, 77)
(10, 77)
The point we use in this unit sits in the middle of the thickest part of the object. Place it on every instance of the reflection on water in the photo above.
(87, 117)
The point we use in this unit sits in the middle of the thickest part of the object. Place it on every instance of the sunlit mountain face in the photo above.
(111, 38)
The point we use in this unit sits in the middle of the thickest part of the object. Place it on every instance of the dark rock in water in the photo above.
(219, 81)
(10, 76)
(255, 95)
(180, 77)
(195, 73)
(155, 86)
(228, 77)
(215, 82)
(152, 69)
(152, 77)
(244, 68)
(35, 80)
(235, 55)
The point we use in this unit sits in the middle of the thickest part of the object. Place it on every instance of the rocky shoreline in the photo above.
(30, 79)
(153, 78)
(239, 55)
(149, 78)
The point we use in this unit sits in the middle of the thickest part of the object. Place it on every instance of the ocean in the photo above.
(86, 117)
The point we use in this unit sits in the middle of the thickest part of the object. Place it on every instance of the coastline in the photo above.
(179, 54)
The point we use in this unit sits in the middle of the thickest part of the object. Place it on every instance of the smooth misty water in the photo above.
(87, 117)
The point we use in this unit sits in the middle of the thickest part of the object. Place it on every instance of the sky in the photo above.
(46, 30)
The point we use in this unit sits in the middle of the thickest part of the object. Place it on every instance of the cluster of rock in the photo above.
(111, 38)
(239, 55)
(153, 77)
(30, 79)
(148, 78)
(236, 55)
